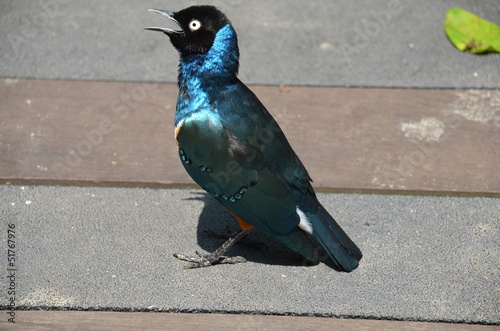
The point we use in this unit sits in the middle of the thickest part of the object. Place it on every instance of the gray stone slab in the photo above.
(397, 43)
(425, 258)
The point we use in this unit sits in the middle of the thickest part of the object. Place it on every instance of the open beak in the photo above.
(170, 16)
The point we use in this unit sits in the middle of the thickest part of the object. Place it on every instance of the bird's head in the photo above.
(198, 28)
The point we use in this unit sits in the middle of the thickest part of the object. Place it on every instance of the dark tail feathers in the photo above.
(341, 249)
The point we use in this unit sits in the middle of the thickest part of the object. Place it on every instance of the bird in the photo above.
(235, 150)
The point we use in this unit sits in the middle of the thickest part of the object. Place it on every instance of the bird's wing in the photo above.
(235, 173)
(255, 127)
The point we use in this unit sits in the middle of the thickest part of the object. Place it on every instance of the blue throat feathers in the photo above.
(200, 72)
(219, 63)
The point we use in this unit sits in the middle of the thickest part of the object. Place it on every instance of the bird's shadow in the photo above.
(216, 225)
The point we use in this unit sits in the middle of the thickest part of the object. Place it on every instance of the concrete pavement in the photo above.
(425, 258)
(397, 43)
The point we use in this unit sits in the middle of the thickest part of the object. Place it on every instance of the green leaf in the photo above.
(471, 33)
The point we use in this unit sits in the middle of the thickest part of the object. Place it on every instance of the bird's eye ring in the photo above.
(194, 25)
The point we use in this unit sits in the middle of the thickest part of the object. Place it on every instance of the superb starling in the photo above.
(234, 149)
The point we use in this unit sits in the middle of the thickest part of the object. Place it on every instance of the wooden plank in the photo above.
(110, 321)
(349, 138)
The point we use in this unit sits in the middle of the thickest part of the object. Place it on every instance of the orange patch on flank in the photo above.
(244, 225)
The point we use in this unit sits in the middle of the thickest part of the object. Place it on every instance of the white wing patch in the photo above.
(304, 223)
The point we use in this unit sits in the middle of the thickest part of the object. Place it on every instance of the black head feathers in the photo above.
(198, 27)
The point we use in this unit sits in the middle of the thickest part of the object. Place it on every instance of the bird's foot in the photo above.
(206, 260)
(217, 257)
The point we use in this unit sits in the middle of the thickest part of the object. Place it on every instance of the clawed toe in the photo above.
(217, 257)
(206, 260)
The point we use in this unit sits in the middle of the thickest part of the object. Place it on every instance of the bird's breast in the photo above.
(199, 130)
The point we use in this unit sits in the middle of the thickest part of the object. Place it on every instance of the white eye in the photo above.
(194, 25)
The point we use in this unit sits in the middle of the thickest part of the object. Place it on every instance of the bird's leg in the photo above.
(217, 257)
